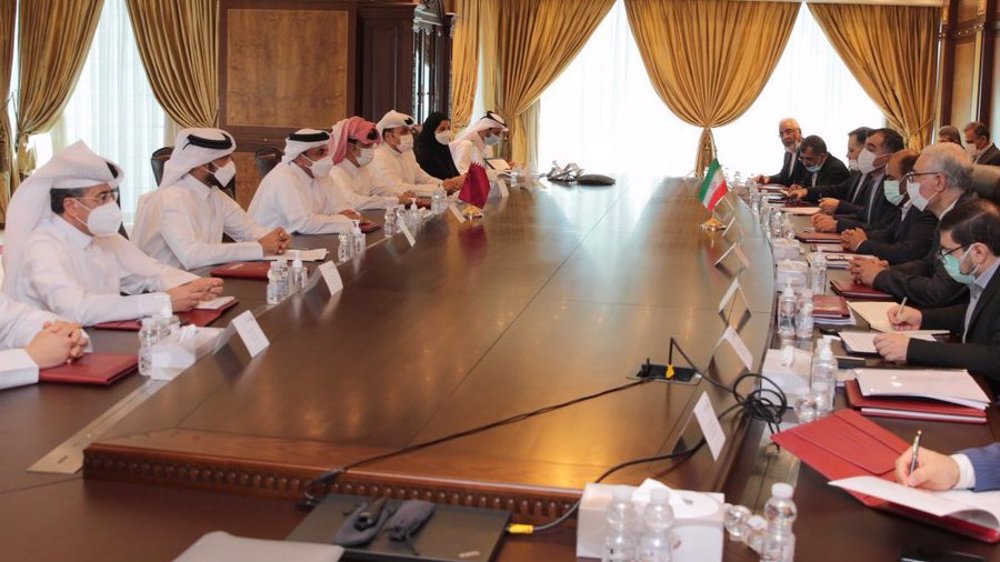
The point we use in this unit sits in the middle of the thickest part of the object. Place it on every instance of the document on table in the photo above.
(316, 254)
(876, 313)
(864, 342)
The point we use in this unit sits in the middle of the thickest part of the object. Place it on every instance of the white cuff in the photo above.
(966, 474)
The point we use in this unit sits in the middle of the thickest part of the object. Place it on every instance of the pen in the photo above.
(916, 449)
(901, 305)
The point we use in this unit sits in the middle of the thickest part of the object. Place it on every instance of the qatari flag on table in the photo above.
(476, 188)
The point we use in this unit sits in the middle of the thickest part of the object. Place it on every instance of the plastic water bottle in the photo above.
(413, 217)
(804, 320)
(273, 296)
(389, 224)
(619, 540)
(817, 272)
(657, 541)
(437, 200)
(283, 285)
(298, 276)
(780, 513)
(345, 248)
(756, 532)
(787, 306)
(823, 382)
(359, 238)
(736, 519)
(775, 223)
(400, 217)
(148, 337)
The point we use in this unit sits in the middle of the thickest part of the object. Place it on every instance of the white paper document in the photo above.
(250, 332)
(864, 342)
(801, 211)
(952, 386)
(709, 423)
(736, 342)
(331, 276)
(215, 304)
(876, 313)
(317, 254)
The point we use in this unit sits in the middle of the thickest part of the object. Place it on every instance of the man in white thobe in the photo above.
(395, 169)
(64, 253)
(31, 340)
(352, 147)
(182, 222)
(476, 142)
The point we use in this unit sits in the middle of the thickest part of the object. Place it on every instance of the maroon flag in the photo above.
(476, 188)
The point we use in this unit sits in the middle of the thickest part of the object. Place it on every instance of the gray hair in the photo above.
(949, 159)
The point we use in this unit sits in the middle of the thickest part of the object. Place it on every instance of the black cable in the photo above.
(311, 500)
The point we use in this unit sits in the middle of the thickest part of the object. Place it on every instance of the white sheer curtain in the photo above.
(603, 113)
(113, 108)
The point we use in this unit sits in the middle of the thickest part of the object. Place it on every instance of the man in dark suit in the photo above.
(970, 252)
(940, 180)
(981, 149)
(822, 168)
(880, 145)
(836, 197)
(792, 169)
(976, 469)
(911, 232)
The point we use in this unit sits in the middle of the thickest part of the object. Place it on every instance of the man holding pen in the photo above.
(975, 469)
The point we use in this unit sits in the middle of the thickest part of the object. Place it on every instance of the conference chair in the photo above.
(986, 181)
(267, 158)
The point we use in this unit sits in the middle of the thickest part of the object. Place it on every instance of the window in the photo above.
(604, 114)
(112, 108)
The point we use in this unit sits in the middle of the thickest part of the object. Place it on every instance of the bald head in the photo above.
(791, 134)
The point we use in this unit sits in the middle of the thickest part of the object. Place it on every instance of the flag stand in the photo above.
(713, 224)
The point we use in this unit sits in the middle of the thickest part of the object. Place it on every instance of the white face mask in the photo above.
(491, 140)
(365, 156)
(444, 137)
(852, 164)
(918, 200)
(104, 220)
(225, 174)
(866, 161)
(321, 167)
(405, 143)
(971, 150)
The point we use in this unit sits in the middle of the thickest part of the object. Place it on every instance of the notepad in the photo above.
(215, 304)
(952, 386)
(877, 315)
(316, 254)
(864, 342)
(981, 509)
(801, 211)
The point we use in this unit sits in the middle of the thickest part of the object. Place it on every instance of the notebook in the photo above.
(315, 254)
(910, 408)
(853, 290)
(863, 343)
(830, 306)
(256, 270)
(952, 386)
(92, 368)
(813, 236)
(201, 316)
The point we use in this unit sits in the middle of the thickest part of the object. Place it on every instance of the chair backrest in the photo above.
(267, 158)
(158, 159)
(986, 181)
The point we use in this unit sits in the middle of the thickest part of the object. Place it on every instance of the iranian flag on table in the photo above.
(714, 187)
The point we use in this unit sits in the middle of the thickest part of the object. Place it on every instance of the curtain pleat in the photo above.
(710, 59)
(178, 42)
(892, 52)
(535, 41)
(464, 62)
(55, 36)
(8, 179)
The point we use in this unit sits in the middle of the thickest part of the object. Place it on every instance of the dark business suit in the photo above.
(980, 353)
(832, 171)
(841, 191)
(792, 171)
(990, 157)
(986, 466)
(924, 281)
(909, 239)
(876, 211)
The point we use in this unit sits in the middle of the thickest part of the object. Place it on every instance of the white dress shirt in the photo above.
(182, 225)
(351, 187)
(82, 278)
(19, 324)
(395, 172)
(297, 202)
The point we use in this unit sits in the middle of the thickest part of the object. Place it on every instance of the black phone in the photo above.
(920, 553)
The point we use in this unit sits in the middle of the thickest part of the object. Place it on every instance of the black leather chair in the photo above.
(267, 158)
(986, 181)
(159, 158)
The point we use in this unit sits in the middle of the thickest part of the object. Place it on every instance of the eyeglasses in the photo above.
(944, 252)
(783, 132)
(104, 196)
(910, 175)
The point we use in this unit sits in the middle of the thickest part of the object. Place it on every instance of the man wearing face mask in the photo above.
(911, 234)
(970, 246)
(183, 221)
(981, 148)
(822, 168)
(939, 182)
(352, 148)
(65, 254)
(477, 142)
(792, 170)
(395, 169)
(876, 212)
(949, 133)
(837, 198)
(295, 196)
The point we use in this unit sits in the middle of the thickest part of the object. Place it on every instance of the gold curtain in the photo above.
(464, 62)
(178, 42)
(55, 37)
(892, 52)
(709, 59)
(8, 179)
(536, 39)
(488, 21)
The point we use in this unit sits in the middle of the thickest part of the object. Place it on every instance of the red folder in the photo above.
(830, 306)
(826, 237)
(846, 444)
(92, 368)
(853, 290)
(256, 270)
(366, 227)
(911, 408)
(198, 317)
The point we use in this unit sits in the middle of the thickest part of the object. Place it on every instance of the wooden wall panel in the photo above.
(994, 120)
(274, 81)
(963, 83)
(247, 179)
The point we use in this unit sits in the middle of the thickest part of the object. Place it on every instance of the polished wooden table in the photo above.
(557, 293)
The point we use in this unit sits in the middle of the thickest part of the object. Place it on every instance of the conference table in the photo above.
(559, 293)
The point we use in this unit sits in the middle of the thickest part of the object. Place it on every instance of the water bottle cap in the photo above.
(782, 491)
(659, 496)
(623, 494)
